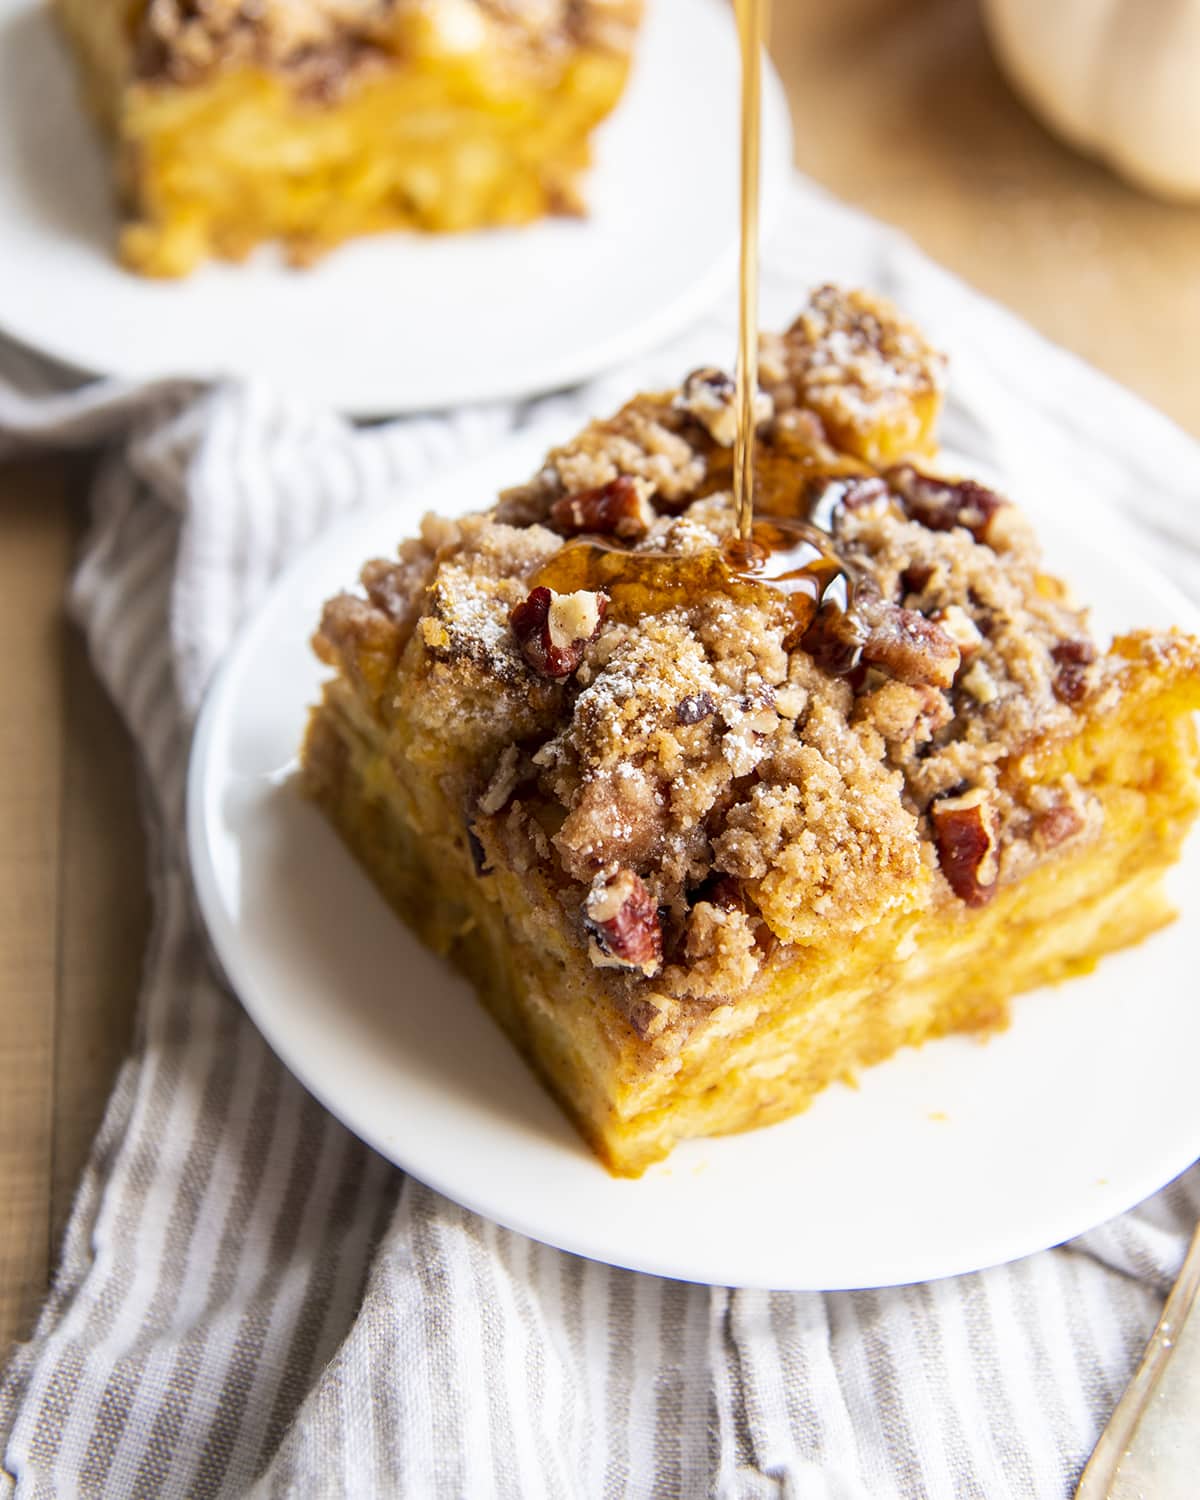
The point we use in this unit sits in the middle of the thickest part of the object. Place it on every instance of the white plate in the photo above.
(946, 1159)
(400, 322)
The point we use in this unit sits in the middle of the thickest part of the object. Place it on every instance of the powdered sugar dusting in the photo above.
(758, 800)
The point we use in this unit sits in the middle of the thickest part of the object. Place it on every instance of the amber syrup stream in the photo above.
(751, 16)
(783, 560)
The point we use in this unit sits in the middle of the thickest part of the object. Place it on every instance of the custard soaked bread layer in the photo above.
(313, 121)
(711, 827)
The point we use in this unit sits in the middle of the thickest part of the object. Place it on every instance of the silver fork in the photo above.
(1150, 1449)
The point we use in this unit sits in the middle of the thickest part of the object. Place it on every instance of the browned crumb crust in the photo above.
(697, 791)
(321, 42)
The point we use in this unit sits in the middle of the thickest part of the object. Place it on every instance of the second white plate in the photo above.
(400, 322)
(946, 1159)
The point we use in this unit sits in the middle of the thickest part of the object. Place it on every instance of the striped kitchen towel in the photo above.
(250, 1302)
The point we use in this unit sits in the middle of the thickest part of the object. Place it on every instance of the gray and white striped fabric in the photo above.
(250, 1301)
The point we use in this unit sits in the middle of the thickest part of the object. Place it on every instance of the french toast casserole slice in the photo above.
(698, 859)
(309, 122)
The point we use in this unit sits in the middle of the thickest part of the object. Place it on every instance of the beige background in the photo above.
(898, 108)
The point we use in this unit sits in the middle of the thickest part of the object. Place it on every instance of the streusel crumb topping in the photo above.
(322, 42)
(695, 785)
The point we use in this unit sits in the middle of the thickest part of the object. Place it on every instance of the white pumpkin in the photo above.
(1119, 78)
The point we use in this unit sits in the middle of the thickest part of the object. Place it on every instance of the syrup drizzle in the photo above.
(751, 15)
(783, 560)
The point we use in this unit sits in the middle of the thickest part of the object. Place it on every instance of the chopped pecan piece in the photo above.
(1057, 825)
(965, 834)
(622, 917)
(1075, 651)
(900, 711)
(943, 504)
(961, 629)
(907, 646)
(755, 712)
(835, 639)
(504, 781)
(1073, 656)
(618, 508)
(1070, 684)
(790, 702)
(916, 578)
(694, 708)
(710, 396)
(979, 682)
(553, 630)
(828, 498)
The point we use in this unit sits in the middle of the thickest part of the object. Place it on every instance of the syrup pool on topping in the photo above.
(786, 562)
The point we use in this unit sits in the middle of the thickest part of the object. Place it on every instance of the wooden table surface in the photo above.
(898, 108)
